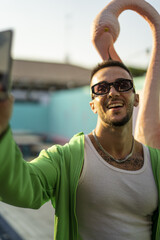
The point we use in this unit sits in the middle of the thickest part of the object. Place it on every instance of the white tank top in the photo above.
(115, 204)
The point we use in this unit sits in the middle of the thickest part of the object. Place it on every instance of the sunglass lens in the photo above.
(123, 85)
(101, 88)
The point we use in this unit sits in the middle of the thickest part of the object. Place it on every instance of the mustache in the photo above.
(114, 99)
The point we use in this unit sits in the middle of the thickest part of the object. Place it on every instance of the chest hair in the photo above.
(135, 162)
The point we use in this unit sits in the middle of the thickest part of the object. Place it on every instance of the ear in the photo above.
(136, 100)
(92, 105)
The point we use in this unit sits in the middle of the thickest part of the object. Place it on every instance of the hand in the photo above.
(6, 107)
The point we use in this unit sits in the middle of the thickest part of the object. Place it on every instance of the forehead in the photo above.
(110, 74)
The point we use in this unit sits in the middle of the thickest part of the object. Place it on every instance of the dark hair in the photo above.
(109, 63)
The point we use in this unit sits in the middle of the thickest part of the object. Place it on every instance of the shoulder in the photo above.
(72, 148)
(155, 163)
(154, 153)
(155, 160)
(69, 158)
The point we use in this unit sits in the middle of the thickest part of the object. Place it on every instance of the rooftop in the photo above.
(46, 75)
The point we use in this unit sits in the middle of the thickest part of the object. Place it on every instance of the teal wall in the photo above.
(70, 112)
(67, 113)
(30, 117)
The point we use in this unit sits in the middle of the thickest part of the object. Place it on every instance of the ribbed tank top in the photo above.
(112, 203)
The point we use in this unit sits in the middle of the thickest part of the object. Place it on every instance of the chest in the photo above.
(102, 184)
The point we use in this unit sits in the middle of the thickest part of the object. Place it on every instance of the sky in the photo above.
(60, 31)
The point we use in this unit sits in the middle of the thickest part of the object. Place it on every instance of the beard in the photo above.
(120, 123)
(123, 121)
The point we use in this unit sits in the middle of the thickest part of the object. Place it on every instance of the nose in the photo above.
(113, 91)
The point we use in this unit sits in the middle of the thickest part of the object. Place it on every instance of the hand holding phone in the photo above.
(5, 63)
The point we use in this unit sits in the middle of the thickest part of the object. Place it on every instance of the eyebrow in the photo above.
(114, 81)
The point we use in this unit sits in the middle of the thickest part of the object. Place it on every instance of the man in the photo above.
(101, 184)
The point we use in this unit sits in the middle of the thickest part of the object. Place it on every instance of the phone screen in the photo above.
(5, 62)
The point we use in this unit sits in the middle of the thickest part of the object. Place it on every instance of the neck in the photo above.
(121, 160)
(115, 140)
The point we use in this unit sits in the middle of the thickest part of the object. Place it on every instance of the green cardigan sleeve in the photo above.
(53, 175)
(25, 184)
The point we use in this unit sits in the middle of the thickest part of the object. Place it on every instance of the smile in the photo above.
(115, 105)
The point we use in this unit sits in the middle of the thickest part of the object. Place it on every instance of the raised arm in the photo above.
(6, 107)
(105, 31)
(148, 121)
(22, 183)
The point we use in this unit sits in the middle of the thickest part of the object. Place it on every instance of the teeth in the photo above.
(115, 105)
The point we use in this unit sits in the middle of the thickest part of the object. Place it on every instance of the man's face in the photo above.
(114, 108)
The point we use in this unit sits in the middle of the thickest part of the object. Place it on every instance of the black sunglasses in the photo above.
(120, 85)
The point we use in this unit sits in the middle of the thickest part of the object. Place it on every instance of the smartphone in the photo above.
(5, 63)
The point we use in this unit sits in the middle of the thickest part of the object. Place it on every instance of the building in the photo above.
(32, 77)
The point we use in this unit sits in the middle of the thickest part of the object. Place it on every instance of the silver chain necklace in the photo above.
(107, 154)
